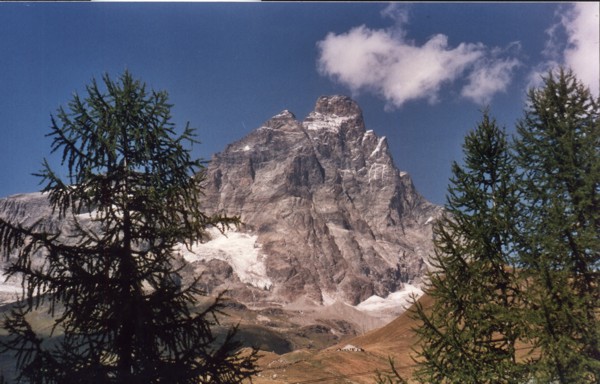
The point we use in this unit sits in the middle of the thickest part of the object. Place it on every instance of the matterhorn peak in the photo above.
(333, 113)
(338, 105)
(330, 214)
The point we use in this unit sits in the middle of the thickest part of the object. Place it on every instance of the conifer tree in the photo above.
(558, 151)
(469, 334)
(110, 280)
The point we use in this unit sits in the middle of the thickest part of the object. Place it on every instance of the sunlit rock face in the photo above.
(330, 215)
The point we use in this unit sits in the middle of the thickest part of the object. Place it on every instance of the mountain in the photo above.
(328, 218)
(25, 210)
(328, 215)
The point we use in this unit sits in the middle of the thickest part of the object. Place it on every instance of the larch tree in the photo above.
(469, 333)
(558, 152)
(515, 288)
(111, 279)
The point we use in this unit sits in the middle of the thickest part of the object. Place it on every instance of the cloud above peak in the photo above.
(582, 54)
(573, 42)
(490, 75)
(382, 62)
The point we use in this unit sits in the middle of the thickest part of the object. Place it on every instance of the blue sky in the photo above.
(420, 71)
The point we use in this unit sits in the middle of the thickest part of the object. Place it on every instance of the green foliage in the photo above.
(469, 334)
(112, 281)
(518, 250)
(558, 151)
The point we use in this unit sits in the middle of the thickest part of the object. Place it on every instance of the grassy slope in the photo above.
(395, 340)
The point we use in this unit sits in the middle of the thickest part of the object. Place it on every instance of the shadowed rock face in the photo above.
(333, 216)
(327, 215)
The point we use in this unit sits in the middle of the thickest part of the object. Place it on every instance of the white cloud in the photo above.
(489, 78)
(384, 63)
(583, 51)
(580, 23)
(399, 13)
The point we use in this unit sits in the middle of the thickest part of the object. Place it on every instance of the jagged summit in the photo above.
(285, 115)
(334, 114)
(337, 105)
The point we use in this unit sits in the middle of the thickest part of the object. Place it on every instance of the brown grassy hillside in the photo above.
(395, 340)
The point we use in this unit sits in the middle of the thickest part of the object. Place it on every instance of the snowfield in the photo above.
(240, 250)
(9, 290)
(395, 303)
(325, 122)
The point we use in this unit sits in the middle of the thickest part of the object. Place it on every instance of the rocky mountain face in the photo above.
(327, 216)
(332, 216)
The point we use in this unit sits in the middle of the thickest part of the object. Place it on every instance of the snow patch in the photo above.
(395, 302)
(246, 148)
(10, 290)
(325, 122)
(328, 298)
(367, 134)
(240, 250)
(284, 114)
(378, 148)
(429, 220)
(377, 171)
(6, 287)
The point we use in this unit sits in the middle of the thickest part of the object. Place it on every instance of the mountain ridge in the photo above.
(327, 215)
